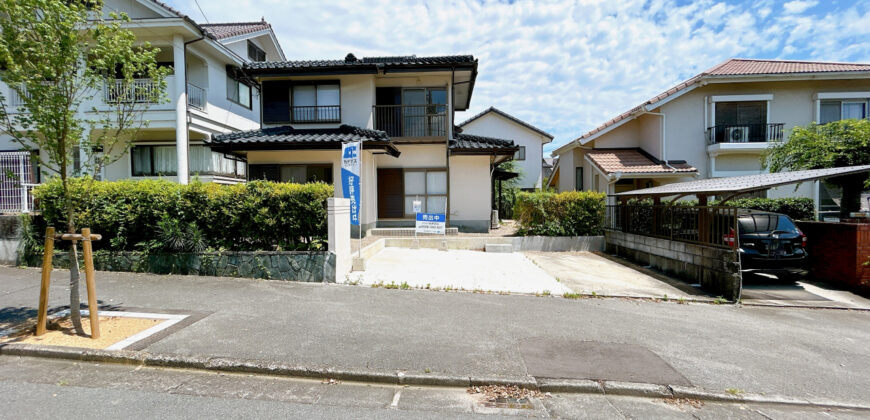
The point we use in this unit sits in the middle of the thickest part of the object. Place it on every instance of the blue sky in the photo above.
(564, 66)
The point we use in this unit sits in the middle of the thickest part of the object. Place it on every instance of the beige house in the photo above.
(716, 124)
(401, 108)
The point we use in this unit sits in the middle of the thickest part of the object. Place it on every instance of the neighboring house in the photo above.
(716, 124)
(208, 94)
(530, 140)
(401, 108)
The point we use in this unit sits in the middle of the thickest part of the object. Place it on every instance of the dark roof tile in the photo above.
(510, 117)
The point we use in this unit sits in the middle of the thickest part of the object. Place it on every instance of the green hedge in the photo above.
(572, 213)
(796, 208)
(161, 215)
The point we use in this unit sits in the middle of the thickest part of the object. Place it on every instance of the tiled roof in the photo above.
(738, 67)
(289, 136)
(746, 183)
(372, 63)
(231, 29)
(510, 117)
(633, 161)
(468, 143)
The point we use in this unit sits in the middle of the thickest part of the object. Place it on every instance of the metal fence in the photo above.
(137, 91)
(745, 133)
(705, 225)
(196, 96)
(16, 182)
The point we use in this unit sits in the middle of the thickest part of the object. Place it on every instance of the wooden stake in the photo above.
(91, 284)
(42, 315)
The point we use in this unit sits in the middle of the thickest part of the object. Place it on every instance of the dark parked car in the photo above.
(770, 241)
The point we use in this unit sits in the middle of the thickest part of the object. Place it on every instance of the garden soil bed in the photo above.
(61, 333)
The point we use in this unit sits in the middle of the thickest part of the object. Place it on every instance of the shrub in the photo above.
(572, 213)
(167, 216)
(796, 208)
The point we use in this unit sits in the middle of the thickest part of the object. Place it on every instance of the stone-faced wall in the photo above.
(716, 269)
(306, 266)
(838, 253)
(10, 239)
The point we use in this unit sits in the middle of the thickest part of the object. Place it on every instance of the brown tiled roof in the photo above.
(231, 29)
(633, 161)
(740, 67)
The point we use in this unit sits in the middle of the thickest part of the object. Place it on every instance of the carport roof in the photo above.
(743, 184)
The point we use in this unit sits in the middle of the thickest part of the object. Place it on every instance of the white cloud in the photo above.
(564, 66)
(799, 6)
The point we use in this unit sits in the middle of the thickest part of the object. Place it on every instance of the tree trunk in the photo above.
(75, 314)
(852, 186)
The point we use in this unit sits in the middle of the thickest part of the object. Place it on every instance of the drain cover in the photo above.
(567, 359)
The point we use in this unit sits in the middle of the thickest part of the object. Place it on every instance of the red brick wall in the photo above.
(838, 252)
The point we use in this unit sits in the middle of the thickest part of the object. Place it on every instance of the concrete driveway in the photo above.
(585, 272)
(469, 270)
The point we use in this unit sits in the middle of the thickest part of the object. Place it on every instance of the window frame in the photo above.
(316, 84)
(256, 49)
(424, 198)
(578, 170)
(520, 154)
(151, 159)
(865, 102)
(236, 83)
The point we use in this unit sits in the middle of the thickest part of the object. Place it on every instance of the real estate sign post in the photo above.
(350, 181)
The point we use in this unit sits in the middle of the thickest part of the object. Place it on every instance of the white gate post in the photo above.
(25, 208)
(338, 222)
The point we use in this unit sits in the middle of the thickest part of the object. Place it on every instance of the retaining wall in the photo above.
(716, 269)
(305, 266)
(10, 239)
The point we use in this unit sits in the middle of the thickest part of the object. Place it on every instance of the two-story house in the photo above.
(716, 124)
(530, 140)
(401, 108)
(208, 94)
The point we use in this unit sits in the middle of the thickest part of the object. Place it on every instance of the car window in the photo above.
(756, 223)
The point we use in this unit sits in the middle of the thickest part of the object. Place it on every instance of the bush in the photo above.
(796, 208)
(162, 215)
(572, 213)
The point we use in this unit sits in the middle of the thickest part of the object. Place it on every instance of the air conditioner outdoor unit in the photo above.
(737, 134)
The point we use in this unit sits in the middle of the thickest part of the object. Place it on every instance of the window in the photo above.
(255, 53)
(239, 92)
(163, 161)
(153, 160)
(316, 103)
(830, 111)
(427, 185)
(204, 161)
(578, 178)
(520, 154)
(299, 174)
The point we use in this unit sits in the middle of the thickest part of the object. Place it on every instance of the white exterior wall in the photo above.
(470, 192)
(494, 125)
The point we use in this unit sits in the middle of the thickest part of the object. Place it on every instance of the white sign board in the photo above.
(418, 206)
(431, 223)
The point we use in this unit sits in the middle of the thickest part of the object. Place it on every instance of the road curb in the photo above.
(231, 365)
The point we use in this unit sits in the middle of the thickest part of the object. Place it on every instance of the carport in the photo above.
(697, 243)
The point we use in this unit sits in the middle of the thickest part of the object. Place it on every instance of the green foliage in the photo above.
(796, 208)
(572, 213)
(162, 215)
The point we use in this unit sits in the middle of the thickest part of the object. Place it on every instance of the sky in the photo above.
(563, 66)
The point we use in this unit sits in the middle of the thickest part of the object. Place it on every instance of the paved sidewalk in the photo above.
(795, 352)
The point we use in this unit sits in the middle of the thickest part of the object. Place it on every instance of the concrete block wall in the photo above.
(716, 269)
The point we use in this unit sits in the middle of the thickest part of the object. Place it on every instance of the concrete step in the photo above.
(406, 232)
(502, 248)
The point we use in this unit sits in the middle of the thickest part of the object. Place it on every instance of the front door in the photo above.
(391, 193)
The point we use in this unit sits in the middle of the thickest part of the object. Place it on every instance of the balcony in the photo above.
(315, 114)
(138, 91)
(411, 120)
(744, 133)
(197, 97)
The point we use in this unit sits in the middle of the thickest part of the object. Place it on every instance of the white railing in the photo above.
(16, 99)
(137, 91)
(16, 182)
(196, 96)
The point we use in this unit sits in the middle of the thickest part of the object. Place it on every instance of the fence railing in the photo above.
(15, 99)
(16, 182)
(197, 97)
(411, 120)
(315, 114)
(705, 225)
(137, 91)
(745, 133)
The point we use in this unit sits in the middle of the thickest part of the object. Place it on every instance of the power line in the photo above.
(200, 11)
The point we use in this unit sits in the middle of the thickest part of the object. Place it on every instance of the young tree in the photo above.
(58, 57)
(832, 145)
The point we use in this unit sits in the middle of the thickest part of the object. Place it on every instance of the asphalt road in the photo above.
(44, 388)
(776, 351)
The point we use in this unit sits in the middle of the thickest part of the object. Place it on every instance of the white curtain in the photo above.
(165, 160)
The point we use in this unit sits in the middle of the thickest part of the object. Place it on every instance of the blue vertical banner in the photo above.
(350, 180)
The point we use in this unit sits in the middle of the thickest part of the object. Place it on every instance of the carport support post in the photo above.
(656, 215)
(338, 231)
(703, 219)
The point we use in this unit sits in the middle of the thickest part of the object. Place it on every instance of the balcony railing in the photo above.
(744, 133)
(411, 120)
(137, 91)
(16, 99)
(315, 114)
(196, 96)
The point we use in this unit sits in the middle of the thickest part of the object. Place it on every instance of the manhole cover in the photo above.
(567, 359)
